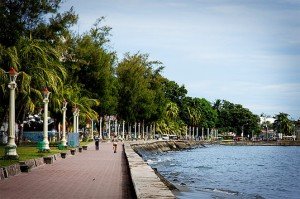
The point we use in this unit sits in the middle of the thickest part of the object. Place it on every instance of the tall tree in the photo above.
(138, 88)
(170, 123)
(208, 113)
(174, 92)
(92, 65)
(39, 67)
(236, 118)
(39, 18)
(283, 124)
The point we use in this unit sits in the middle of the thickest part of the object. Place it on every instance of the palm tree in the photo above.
(75, 96)
(282, 124)
(39, 65)
(172, 110)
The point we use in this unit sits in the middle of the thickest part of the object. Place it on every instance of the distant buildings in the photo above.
(270, 120)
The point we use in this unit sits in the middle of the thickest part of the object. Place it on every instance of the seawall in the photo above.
(163, 146)
(148, 183)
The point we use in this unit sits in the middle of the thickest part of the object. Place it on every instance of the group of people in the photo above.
(114, 142)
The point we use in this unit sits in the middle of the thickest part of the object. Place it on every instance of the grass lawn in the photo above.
(26, 153)
(31, 152)
(85, 143)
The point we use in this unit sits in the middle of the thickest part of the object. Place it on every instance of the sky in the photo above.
(243, 51)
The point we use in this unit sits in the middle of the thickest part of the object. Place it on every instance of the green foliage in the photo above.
(174, 92)
(235, 118)
(283, 124)
(170, 123)
(140, 96)
(37, 18)
(25, 153)
(36, 40)
(208, 114)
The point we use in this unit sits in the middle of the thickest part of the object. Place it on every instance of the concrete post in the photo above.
(193, 135)
(135, 131)
(92, 130)
(100, 128)
(11, 148)
(77, 122)
(207, 134)
(45, 136)
(116, 127)
(63, 140)
(123, 130)
(139, 130)
(109, 127)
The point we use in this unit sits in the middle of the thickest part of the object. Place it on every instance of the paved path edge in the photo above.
(145, 182)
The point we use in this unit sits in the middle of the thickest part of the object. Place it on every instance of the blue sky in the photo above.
(243, 51)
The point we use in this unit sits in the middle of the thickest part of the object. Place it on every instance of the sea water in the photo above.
(217, 171)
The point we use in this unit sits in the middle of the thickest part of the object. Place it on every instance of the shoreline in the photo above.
(141, 148)
(147, 182)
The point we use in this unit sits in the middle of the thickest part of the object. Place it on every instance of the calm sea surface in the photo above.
(232, 171)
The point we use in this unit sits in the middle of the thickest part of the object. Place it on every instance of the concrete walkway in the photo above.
(90, 174)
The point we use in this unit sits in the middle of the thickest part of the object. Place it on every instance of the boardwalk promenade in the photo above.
(90, 174)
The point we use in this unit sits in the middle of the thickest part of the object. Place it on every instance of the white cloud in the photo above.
(243, 51)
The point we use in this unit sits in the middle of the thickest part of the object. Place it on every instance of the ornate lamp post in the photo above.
(123, 130)
(45, 146)
(74, 119)
(100, 128)
(77, 121)
(11, 148)
(63, 139)
(92, 129)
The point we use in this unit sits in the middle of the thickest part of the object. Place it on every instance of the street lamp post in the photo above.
(64, 109)
(135, 131)
(243, 133)
(74, 119)
(123, 129)
(11, 148)
(92, 129)
(109, 127)
(100, 128)
(77, 121)
(267, 132)
(45, 146)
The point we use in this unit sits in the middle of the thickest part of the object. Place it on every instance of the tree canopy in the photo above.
(36, 39)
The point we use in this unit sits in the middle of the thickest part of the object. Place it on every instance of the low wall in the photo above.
(145, 182)
(27, 165)
(162, 146)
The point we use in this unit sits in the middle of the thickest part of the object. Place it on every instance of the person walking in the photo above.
(97, 143)
(115, 143)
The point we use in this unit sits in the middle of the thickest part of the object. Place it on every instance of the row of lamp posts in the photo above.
(11, 148)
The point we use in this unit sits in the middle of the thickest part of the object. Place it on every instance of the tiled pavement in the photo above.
(90, 174)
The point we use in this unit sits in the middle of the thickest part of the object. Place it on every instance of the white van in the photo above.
(165, 137)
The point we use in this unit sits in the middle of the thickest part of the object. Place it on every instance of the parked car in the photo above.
(173, 137)
(165, 137)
